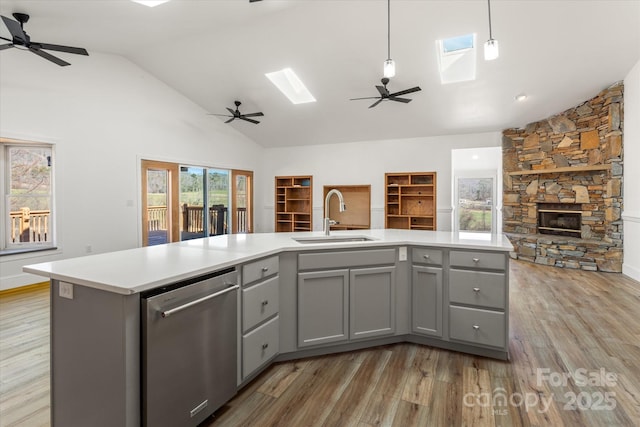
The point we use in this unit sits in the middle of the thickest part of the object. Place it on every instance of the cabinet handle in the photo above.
(265, 269)
(476, 289)
(476, 327)
(426, 256)
(265, 302)
(265, 345)
(475, 259)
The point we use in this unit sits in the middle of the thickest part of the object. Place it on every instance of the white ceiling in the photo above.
(559, 53)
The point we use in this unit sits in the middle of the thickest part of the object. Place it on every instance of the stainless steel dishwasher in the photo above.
(189, 350)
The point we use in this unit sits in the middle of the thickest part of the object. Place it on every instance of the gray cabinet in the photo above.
(260, 308)
(426, 300)
(346, 295)
(323, 307)
(372, 302)
(479, 298)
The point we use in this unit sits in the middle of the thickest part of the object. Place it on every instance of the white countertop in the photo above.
(136, 270)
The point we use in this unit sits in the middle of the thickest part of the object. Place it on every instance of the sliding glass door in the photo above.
(475, 200)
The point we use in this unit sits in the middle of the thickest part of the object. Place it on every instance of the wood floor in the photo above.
(575, 361)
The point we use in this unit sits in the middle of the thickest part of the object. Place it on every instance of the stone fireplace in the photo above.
(562, 195)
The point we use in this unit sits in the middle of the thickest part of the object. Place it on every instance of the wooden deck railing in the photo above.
(29, 226)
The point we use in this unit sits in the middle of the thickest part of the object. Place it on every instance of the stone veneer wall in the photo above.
(588, 135)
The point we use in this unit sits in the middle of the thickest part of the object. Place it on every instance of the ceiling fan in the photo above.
(385, 95)
(21, 40)
(237, 115)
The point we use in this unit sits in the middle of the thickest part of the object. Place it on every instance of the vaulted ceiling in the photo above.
(559, 53)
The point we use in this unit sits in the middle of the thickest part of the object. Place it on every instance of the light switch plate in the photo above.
(402, 253)
(66, 290)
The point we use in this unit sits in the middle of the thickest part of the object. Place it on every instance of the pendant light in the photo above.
(490, 46)
(389, 64)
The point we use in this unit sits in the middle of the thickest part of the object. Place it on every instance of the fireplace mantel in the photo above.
(562, 170)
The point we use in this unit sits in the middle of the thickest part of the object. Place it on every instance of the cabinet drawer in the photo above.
(260, 269)
(259, 302)
(342, 259)
(477, 288)
(477, 326)
(496, 261)
(259, 346)
(426, 256)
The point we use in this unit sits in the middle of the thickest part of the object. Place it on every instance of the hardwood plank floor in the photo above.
(563, 322)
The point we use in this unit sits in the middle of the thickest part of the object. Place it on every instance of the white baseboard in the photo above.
(19, 280)
(630, 271)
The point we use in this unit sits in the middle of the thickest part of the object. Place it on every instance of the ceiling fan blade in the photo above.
(220, 115)
(366, 97)
(383, 90)
(255, 122)
(49, 57)
(405, 100)
(253, 114)
(16, 30)
(230, 120)
(6, 46)
(233, 113)
(59, 48)
(375, 103)
(406, 91)
(4, 38)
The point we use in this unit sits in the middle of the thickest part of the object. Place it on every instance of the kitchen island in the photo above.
(297, 298)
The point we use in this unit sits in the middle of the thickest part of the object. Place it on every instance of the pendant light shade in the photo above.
(389, 65)
(389, 68)
(491, 51)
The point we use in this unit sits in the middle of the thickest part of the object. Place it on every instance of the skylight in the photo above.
(150, 3)
(457, 58)
(291, 86)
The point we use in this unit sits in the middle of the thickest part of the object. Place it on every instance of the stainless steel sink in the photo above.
(332, 239)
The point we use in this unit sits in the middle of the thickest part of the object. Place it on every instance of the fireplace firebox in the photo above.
(560, 219)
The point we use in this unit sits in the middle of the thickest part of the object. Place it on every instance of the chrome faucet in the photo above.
(327, 221)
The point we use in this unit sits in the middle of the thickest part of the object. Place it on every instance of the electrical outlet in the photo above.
(66, 290)
(402, 253)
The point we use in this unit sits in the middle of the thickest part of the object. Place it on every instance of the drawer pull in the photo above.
(476, 260)
(265, 269)
(476, 327)
(426, 256)
(265, 302)
(476, 289)
(265, 345)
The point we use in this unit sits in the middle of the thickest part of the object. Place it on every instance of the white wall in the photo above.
(366, 163)
(631, 211)
(104, 114)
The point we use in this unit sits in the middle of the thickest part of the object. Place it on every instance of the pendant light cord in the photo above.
(489, 7)
(388, 29)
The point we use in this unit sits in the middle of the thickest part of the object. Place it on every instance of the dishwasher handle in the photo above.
(175, 310)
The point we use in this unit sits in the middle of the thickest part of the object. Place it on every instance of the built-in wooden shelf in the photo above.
(410, 200)
(357, 199)
(293, 203)
(562, 170)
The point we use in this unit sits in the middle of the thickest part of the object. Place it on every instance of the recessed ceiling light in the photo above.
(475, 157)
(291, 85)
(150, 3)
(520, 97)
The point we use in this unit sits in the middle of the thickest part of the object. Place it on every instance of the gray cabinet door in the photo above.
(372, 302)
(426, 297)
(323, 307)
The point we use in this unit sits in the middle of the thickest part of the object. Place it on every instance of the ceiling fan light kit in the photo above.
(491, 50)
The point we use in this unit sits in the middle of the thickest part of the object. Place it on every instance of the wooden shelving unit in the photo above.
(357, 198)
(410, 200)
(293, 203)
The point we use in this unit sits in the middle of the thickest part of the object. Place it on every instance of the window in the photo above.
(27, 205)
